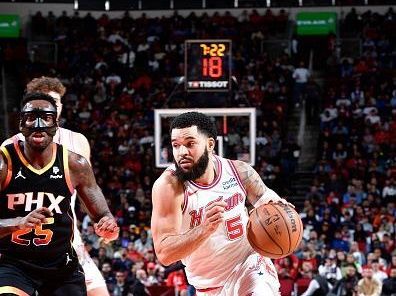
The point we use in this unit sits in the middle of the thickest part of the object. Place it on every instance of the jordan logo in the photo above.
(19, 175)
(68, 258)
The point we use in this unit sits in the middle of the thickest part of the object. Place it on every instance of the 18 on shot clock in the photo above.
(207, 65)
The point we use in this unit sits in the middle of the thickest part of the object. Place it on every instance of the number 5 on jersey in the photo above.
(234, 228)
(43, 239)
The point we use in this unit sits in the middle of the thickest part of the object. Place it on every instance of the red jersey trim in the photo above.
(208, 289)
(185, 202)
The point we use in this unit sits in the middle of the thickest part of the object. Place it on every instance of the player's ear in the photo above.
(211, 144)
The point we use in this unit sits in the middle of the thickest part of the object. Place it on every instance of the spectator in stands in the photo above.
(108, 276)
(350, 259)
(392, 264)
(318, 286)
(144, 243)
(300, 76)
(368, 286)
(91, 237)
(122, 263)
(305, 276)
(152, 278)
(329, 270)
(287, 267)
(121, 287)
(133, 254)
(347, 286)
(102, 257)
(339, 243)
(139, 287)
(177, 279)
(389, 285)
(378, 274)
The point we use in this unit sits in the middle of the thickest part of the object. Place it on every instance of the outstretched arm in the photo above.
(91, 195)
(257, 192)
(171, 244)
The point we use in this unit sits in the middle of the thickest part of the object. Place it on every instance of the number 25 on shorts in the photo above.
(44, 236)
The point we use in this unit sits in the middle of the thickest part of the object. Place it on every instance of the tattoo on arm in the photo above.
(88, 190)
(251, 180)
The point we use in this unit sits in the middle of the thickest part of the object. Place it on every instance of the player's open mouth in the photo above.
(38, 137)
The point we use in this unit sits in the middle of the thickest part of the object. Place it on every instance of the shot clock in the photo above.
(207, 65)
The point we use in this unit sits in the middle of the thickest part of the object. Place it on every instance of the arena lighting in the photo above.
(76, 4)
(107, 5)
(268, 3)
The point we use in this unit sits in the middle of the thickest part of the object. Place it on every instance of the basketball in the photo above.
(274, 230)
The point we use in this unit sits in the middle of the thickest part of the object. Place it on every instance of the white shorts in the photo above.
(257, 276)
(93, 277)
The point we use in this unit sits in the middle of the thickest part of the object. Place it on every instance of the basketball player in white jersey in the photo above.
(77, 143)
(199, 214)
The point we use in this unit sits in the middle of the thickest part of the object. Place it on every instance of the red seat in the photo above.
(302, 285)
(286, 287)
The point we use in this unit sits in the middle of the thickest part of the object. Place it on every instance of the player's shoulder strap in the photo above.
(65, 154)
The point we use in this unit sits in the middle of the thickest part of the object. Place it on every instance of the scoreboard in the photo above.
(207, 65)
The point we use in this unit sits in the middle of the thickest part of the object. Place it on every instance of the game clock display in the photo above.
(207, 65)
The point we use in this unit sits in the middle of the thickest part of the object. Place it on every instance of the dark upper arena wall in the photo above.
(25, 10)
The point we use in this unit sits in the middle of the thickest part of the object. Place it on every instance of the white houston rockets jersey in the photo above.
(213, 262)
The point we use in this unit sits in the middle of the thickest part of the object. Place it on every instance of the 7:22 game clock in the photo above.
(207, 65)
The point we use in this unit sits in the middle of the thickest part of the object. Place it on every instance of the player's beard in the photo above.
(197, 169)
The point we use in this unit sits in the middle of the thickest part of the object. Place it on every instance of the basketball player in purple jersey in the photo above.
(77, 143)
(199, 214)
(37, 180)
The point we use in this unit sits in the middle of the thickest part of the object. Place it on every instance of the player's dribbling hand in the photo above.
(278, 200)
(214, 215)
(107, 228)
(35, 218)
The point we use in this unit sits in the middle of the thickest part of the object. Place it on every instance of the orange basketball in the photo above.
(274, 230)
